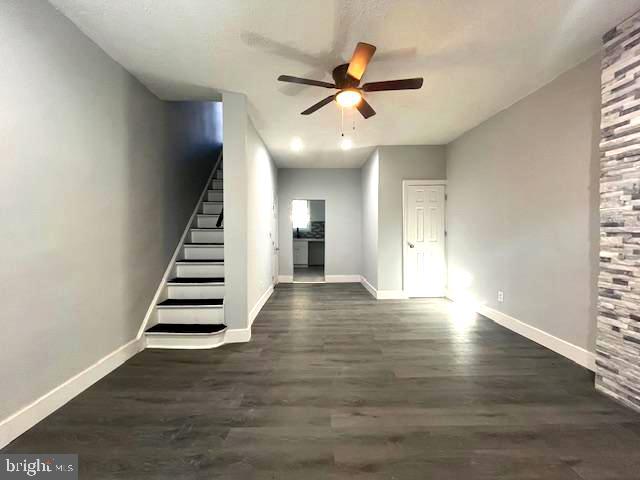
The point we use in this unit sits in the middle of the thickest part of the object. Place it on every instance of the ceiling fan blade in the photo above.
(407, 84)
(318, 105)
(305, 81)
(361, 58)
(365, 109)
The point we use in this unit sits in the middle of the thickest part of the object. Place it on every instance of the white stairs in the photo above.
(190, 309)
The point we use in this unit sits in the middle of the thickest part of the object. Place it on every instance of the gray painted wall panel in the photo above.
(97, 181)
(340, 188)
(397, 163)
(522, 208)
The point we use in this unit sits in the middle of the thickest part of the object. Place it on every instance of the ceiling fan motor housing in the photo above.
(342, 80)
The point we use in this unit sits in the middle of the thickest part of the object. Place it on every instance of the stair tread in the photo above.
(218, 244)
(208, 229)
(187, 328)
(217, 202)
(189, 260)
(197, 280)
(208, 214)
(191, 302)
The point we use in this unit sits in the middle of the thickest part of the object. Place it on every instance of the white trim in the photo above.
(405, 184)
(154, 301)
(285, 278)
(259, 304)
(423, 182)
(392, 295)
(25, 418)
(237, 335)
(573, 352)
(342, 278)
(370, 288)
(186, 342)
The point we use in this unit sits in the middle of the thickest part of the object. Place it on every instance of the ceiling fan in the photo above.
(347, 79)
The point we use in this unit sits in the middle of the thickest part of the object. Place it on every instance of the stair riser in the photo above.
(217, 183)
(203, 253)
(207, 237)
(219, 175)
(191, 315)
(211, 271)
(215, 196)
(207, 222)
(212, 208)
(195, 291)
(185, 341)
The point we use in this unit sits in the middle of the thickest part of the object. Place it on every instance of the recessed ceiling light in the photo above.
(346, 143)
(296, 144)
(348, 98)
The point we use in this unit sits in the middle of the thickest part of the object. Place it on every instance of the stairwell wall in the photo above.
(249, 195)
(98, 178)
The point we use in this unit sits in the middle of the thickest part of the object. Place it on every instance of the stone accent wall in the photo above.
(618, 338)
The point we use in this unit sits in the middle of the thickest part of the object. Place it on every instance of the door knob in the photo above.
(411, 245)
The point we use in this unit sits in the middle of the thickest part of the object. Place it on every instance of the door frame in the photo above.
(290, 230)
(409, 183)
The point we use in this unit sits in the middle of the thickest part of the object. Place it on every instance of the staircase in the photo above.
(190, 309)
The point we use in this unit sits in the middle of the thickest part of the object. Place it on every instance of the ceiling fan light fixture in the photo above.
(296, 144)
(346, 143)
(348, 98)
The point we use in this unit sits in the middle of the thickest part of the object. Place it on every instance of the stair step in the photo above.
(186, 328)
(191, 303)
(203, 262)
(204, 245)
(205, 220)
(198, 280)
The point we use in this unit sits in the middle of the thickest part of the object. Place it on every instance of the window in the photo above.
(300, 215)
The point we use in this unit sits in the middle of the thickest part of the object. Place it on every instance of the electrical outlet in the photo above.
(500, 296)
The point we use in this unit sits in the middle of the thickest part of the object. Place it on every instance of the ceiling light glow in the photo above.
(296, 144)
(346, 143)
(348, 98)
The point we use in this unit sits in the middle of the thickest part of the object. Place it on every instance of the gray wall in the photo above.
(340, 188)
(250, 216)
(235, 209)
(370, 179)
(262, 217)
(97, 181)
(521, 212)
(397, 163)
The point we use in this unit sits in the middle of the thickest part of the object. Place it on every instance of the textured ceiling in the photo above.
(476, 56)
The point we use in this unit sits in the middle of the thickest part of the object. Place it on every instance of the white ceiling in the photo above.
(476, 56)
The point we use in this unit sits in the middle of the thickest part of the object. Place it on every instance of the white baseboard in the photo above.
(370, 288)
(259, 304)
(25, 418)
(285, 278)
(392, 295)
(237, 335)
(573, 352)
(342, 278)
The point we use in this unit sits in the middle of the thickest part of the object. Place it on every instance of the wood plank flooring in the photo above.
(337, 385)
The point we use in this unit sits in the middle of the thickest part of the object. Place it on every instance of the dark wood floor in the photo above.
(335, 385)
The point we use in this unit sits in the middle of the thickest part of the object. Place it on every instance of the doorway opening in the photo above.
(308, 220)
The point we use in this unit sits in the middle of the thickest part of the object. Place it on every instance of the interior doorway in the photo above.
(308, 221)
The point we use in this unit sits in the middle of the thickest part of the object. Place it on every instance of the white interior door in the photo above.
(424, 237)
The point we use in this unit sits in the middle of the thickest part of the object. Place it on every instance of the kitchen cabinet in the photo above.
(300, 252)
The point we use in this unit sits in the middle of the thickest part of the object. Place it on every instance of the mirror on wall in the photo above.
(308, 221)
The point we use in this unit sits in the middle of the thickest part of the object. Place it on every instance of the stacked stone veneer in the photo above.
(618, 339)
